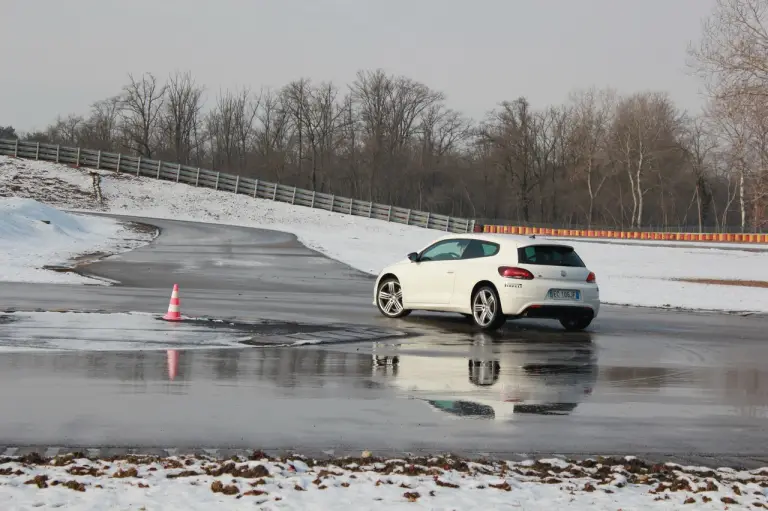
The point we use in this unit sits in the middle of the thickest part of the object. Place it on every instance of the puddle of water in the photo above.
(81, 331)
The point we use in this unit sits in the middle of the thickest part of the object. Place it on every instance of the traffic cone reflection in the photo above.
(173, 363)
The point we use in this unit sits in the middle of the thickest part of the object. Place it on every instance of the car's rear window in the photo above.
(549, 255)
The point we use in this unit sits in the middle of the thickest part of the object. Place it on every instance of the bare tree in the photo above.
(181, 119)
(271, 140)
(592, 119)
(324, 118)
(508, 136)
(67, 130)
(731, 56)
(644, 134)
(7, 132)
(102, 129)
(142, 103)
(729, 115)
(699, 144)
(389, 109)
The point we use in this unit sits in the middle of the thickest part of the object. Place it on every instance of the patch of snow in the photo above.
(190, 483)
(629, 272)
(33, 235)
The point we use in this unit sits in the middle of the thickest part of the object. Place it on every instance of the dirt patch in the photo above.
(141, 228)
(19, 179)
(725, 282)
(7, 318)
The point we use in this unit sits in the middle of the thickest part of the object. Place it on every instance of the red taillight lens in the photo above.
(515, 273)
(591, 278)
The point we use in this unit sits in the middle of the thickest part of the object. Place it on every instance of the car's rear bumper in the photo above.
(518, 304)
(557, 311)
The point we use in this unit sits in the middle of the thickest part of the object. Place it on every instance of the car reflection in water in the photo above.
(501, 379)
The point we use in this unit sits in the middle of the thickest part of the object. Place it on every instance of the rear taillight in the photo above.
(591, 278)
(515, 273)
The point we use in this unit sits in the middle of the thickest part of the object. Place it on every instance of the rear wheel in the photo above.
(486, 308)
(575, 324)
(389, 299)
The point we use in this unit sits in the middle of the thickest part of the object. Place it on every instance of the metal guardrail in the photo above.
(174, 172)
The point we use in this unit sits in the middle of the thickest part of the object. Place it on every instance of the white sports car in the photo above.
(492, 278)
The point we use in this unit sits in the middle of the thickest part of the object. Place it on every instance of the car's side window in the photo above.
(478, 248)
(447, 250)
(490, 249)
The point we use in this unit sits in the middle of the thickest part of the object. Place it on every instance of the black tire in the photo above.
(391, 283)
(493, 303)
(575, 324)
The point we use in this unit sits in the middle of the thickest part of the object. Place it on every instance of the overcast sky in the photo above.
(58, 56)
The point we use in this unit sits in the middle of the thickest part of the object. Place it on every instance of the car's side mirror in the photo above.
(413, 257)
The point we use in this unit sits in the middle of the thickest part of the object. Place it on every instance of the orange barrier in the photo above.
(626, 235)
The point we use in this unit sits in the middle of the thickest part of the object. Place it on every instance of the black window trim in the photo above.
(481, 241)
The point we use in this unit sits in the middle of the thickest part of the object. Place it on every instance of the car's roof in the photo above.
(503, 239)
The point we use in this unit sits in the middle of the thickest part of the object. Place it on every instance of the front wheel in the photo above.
(486, 309)
(575, 324)
(389, 299)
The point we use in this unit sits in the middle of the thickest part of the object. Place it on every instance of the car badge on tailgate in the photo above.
(562, 273)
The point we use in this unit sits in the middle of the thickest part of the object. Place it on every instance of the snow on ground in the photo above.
(297, 483)
(33, 235)
(628, 273)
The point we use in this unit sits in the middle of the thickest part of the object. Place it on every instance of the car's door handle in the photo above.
(449, 273)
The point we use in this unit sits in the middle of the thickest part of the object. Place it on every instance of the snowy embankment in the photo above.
(629, 274)
(200, 482)
(34, 235)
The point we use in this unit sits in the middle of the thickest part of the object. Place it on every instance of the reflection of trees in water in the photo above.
(285, 366)
(291, 367)
(225, 366)
(746, 390)
(649, 378)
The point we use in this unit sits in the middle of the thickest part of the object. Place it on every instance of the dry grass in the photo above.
(726, 282)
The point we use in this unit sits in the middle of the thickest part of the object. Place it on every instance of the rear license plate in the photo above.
(564, 294)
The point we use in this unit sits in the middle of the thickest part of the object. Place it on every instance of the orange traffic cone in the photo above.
(174, 309)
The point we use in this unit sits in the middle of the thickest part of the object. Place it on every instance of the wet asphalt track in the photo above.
(640, 382)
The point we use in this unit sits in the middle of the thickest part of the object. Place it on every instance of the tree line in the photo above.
(599, 159)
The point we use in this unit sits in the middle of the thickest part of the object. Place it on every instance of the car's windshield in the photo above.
(549, 255)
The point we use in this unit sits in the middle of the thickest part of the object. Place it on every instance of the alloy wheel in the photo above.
(391, 298)
(484, 308)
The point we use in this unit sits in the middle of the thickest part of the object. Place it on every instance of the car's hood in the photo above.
(394, 265)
